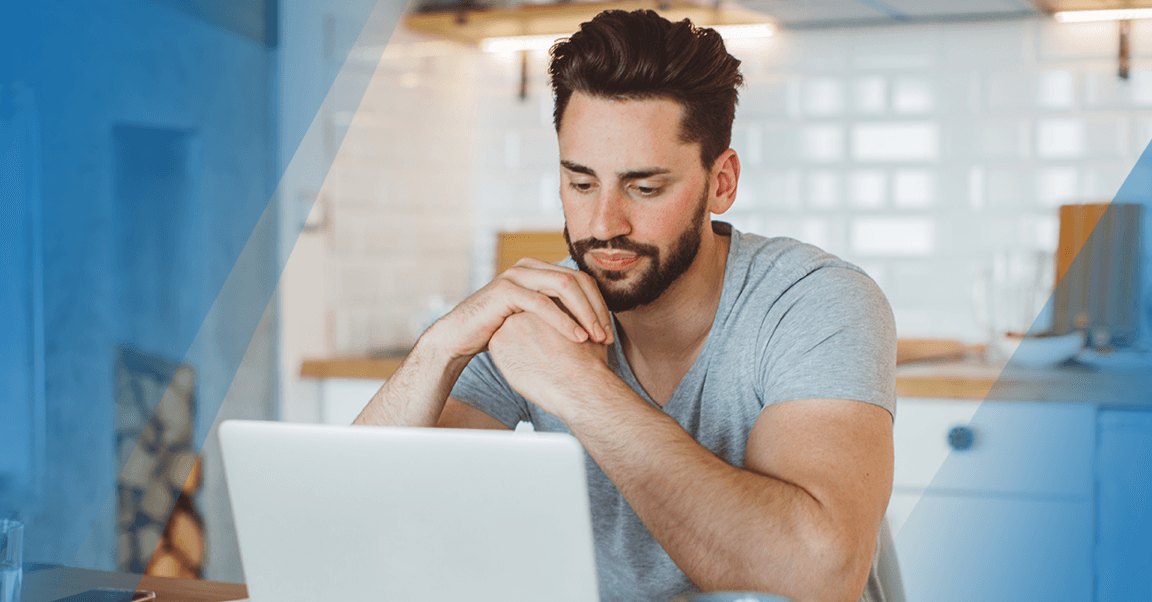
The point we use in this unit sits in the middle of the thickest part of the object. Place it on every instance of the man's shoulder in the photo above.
(780, 262)
(775, 280)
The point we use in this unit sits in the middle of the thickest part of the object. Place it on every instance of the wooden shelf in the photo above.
(561, 20)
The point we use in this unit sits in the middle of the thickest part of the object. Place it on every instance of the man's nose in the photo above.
(610, 219)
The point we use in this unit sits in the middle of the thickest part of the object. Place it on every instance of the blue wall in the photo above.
(142, 143)
(135, 250)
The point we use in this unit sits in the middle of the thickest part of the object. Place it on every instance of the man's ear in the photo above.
(725, 176)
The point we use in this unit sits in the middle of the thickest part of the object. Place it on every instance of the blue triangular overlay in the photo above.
(1049, 495)
(161, 138)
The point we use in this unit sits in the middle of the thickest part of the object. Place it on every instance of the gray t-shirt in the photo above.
(793, 323)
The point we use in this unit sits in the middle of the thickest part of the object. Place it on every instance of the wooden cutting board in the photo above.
(543, 245)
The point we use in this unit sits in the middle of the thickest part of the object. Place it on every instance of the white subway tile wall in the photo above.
(870, 95)
(913, 96)
(895, 142)
(868, 188)
(913, 188)
(917, 151)
(401, 190)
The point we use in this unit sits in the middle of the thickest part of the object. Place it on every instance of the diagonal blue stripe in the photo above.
(1074, 431)
(886, 8)
(158, 144)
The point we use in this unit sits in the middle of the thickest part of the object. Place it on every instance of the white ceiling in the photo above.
(820, 13)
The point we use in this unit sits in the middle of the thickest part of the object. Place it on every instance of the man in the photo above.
(734, 393)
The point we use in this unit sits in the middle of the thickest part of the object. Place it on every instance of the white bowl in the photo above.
(1137, 361)
(1043, 352)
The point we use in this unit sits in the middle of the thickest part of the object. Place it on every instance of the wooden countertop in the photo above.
(57, 582)
(383, 365)
(368, 367)
(968, 378)
(974, 380)
(952, 380)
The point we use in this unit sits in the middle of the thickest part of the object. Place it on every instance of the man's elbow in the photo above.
(828, 568)
(838, 567)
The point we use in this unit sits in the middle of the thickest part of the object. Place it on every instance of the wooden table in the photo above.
(53, 583)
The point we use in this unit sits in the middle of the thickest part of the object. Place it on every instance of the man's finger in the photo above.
(604, 317)
(587, 284)
(547, 309)
(581, 298)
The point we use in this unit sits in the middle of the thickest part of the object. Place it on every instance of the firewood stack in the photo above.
(180, 552)
(159, 531)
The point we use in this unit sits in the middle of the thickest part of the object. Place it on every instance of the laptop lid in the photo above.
(376, 513)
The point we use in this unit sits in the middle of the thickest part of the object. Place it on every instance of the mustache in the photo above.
(619, 243)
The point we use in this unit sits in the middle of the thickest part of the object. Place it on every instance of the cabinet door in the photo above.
(993, 549)
(993, 500)
(1124, 507)
(1005, 447)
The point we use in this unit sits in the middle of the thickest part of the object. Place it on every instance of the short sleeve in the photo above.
(830, 335)
(483, 387)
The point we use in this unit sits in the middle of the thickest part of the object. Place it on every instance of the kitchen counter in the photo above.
(51, 582)
(367, 367)
(955, 379)
(978, 380)
(987, 460)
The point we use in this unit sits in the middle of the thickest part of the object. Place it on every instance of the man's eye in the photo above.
(647, 190)
(581, 186)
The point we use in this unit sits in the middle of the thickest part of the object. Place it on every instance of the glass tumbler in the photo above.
(11, 557)
(729, 597)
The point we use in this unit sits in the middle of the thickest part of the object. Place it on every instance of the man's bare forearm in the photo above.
(725, 527)
(415, 394)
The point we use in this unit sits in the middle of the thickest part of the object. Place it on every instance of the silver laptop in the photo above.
(367, 513)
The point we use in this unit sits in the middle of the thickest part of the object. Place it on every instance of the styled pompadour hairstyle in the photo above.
(640, 55)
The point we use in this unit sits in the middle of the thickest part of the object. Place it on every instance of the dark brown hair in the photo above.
(640, 55)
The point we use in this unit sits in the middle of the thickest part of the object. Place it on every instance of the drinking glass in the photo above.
(1012, 294)
(729, 597)
(11, 556)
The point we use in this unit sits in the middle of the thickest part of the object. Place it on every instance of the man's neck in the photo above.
(674, 327)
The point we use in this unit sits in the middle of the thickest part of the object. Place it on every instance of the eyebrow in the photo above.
(635, 174)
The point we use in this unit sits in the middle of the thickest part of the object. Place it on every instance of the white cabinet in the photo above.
(993, 500)
(967, 548)
(342, 399)
(1124, 507)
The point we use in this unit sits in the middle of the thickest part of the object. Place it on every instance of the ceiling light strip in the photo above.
(1120, 14)
(746, 32)
(521, 43)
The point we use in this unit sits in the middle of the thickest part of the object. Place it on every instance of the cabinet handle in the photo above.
(961, 438)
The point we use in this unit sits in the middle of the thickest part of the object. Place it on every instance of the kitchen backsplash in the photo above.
(919, 152)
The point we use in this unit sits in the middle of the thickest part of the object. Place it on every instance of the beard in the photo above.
(656, 277)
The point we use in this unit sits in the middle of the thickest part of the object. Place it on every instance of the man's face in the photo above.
(635, 197)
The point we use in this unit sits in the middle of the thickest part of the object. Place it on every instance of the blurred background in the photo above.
(253, 209)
